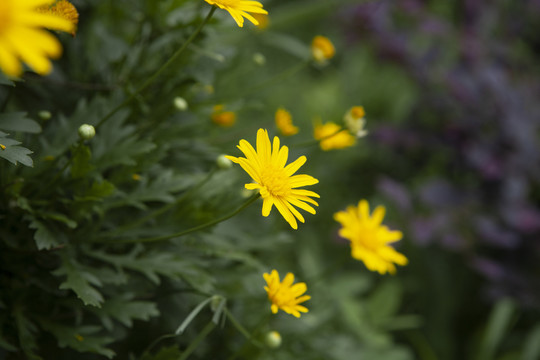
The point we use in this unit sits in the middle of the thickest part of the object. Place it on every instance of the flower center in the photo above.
(367, 238)
(275, 181)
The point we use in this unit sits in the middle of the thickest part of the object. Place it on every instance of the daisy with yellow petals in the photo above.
(322, 49)
(240, 9)
(275, 181)
(22, 37)
(369, 238)
(64, 9)
(331, 136)
(284, 295)
(284, 122)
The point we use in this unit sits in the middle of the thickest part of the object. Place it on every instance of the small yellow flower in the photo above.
(284, 122)
(355, 121)
(369, 238)
(3, 147)
(240, 9)
(23, 39)
(65, 10)
(322, 49)
(223, 118)
(284, 295)
(331, 136)
(275, 181)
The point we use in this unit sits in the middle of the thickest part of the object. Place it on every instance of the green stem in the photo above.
(160, 70)
(154, 343)
(240, 328)
(204, 333)
(184, 232)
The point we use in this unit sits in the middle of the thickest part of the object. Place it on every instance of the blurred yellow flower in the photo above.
(22, 37)
(65, 10)
(223, 118)
(369, 238)
(322, 49)
(284, 296)
(239, 9)
(274, 180)
(355, 122)
(263, 21)
(284, 122)
(331, 136)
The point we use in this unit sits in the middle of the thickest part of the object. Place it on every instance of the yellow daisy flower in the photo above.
(22, 37)
(284, 122)
(331, 136)
(274, 180)
(65, 10)
(221, 117)
(355, 121)
(240, 9)
(284, 296)
(322, 49)
(369, 238)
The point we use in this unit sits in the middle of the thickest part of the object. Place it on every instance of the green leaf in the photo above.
(126, 310)
(81, 161)
(44, 238)
(165, 353)
(498, 325)
(26, 330)
(531, 349)
(4, 80)
(101, 189)
(15, 154)
(80, 280)
(153, 264)
(80, 338)
(385, 301)
(18, 121)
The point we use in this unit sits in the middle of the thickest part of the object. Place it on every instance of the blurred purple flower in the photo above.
(396, 192)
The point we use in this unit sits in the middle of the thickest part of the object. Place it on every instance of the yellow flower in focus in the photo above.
(284, 122)
(23, 39)
(284, 295)
(331, 136)
(322, 49)
(355, 122)
(223, 118)
(274, 180)
(65, 10)
(369, 238)
(240, 9)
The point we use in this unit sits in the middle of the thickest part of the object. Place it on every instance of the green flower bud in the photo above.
(44, 115)
(223, 163)
(259, 59)
(86, 132)
(180, 103)
(272, 339)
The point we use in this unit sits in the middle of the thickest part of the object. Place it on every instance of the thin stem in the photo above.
(154, 343)
(240, 328)
(204, 333)
(184, 232)
(160, 70)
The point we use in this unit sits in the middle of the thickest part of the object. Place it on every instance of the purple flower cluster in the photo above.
(478, 114)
